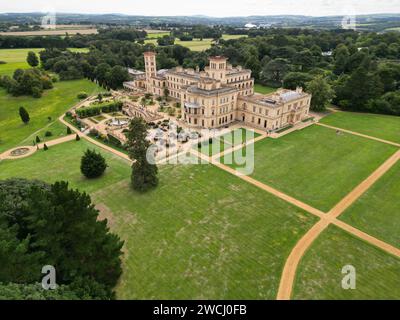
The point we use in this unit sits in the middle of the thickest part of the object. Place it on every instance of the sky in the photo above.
(215, 8)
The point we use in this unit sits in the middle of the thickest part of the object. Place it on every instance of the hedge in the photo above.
(95, 111)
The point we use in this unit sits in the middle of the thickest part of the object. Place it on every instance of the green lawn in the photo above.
(376, 125)
(155, 35)
(57, 129)
(319, 275)
(226, 141)
(233, 36)
(53, 103)
(316, 165)
(15, 58)
(259, 88)
(194, 45)
(377, 211)
(202, 233)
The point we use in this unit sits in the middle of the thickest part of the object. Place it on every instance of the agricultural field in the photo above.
(202, 233)
(316, 165)
(377, 211)
(376, 125)
(319, 275)
(56, 32)
(53, 103)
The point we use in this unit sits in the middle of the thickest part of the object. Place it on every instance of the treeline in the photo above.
(75, 41)
(27, 82)
(362, 69)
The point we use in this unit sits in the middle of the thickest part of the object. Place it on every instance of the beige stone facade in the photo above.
(220, 95)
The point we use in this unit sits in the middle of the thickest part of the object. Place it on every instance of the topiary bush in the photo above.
(93, 164)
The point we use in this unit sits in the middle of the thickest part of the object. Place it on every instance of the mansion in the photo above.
(220, 95)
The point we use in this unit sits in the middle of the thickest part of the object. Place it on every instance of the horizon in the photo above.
(197, 15)
(208, 8)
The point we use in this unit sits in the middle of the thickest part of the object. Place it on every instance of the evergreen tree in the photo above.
(77, 138)
(144, 174)
(45, 147)
(37, 139)
(24, 115)
(93, 164)
(32, 59)
(69, 130)
(44, 224)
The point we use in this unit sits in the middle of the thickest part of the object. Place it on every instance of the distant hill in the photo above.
(374, 22)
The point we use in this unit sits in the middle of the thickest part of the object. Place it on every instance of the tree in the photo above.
(32, 59)
(37, 139)
(45, 147)
(274, 71)
(342, 56)
(116, 77)
(322, 93)
(93, 164)
(296, 79)
(77, 137)
(144, 173)
(69, 130)
(51, 224)
(24, 115)
(253, 63)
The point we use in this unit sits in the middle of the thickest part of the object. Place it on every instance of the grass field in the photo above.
(316, 165)
(319, 275)
(259, 88)
(57, 129)
(194, 45)
(377, 211)
(156, 35)
(202, 233)
(226, 141)
(53, 103)
(16, 59)
(376, 125)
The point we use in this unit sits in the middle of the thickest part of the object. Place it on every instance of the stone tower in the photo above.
(218, 66)
(150, 67)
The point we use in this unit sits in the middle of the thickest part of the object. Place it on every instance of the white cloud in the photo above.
(207, 7)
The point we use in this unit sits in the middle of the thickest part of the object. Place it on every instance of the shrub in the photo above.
(48, 134)
(93, 164)
(82, 95)
(37, 139)
(77, 138)
(45, 147)
(69, 130)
